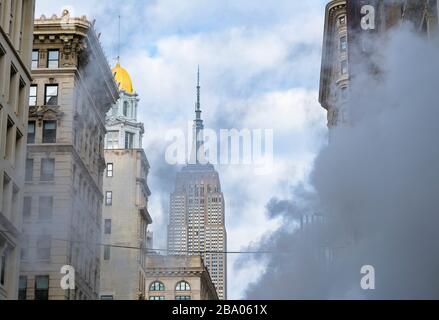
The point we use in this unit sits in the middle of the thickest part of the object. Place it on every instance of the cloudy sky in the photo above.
(260, 65)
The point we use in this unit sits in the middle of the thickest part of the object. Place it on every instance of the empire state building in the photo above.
(197, 219)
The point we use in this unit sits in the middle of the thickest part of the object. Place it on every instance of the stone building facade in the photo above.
(178, 278)
(16, 25)
(72, 90)
(125, 214)
(352, 28)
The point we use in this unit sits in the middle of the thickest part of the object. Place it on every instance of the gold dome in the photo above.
(123, 79)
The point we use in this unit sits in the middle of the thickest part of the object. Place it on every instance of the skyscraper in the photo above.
(125, 214)
(197, 219)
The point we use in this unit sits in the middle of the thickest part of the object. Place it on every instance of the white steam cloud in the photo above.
(376, 184)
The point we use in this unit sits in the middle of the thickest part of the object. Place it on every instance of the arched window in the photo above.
(183, 286)
(157, 286)
(126, 108)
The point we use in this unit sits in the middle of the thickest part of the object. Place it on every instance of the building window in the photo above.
(107, 297)
(31, 127)
(342, 21)
(33, 95)
(3, 269)
(183, 286)
(107, 253)
(157, 286)
(126, 108)
(110, 167)
(35, 59)
(113, 140)
(344, 67)
(27, 208)
(107, 226)
(53, 59)
(43, 247)
(42, 288)
(343, 44)
(51, 95)
(183, 298)
(109, 198)
(45, 208)
(49, 132)
(29, 175)
(129, 140)
(157, 298)
(22, 288)
(47, 170)
(344, 93)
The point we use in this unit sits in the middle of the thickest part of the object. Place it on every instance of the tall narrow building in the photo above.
(73, 88)
(16, 24)
(197, 218)
(125, 214)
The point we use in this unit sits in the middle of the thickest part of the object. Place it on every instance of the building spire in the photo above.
(198, 105)
(198, 139)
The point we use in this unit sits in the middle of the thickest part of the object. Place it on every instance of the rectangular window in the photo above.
(107, 253)
(22, 288)
(47, 170)
(107, 297)
(29, 170)
(109, 198)
(42, 288)
(3, 259)
(156, 298)
(110, 167)
(35, 59)
(49, 132)
(53, 59)
(183, 298)
(113, 140)
(342, 21)
(51, 95)
(33, 95)
(343, 44)
(107, 226)
(31, 128)
(45, 208)
(129, 140)
(43, 247)
(344, 67)
(27, 208)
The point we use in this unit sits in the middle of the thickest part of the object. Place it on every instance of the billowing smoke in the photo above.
(375, 188)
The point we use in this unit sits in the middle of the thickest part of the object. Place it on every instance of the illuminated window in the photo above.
(110, 167)
(109, 198)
